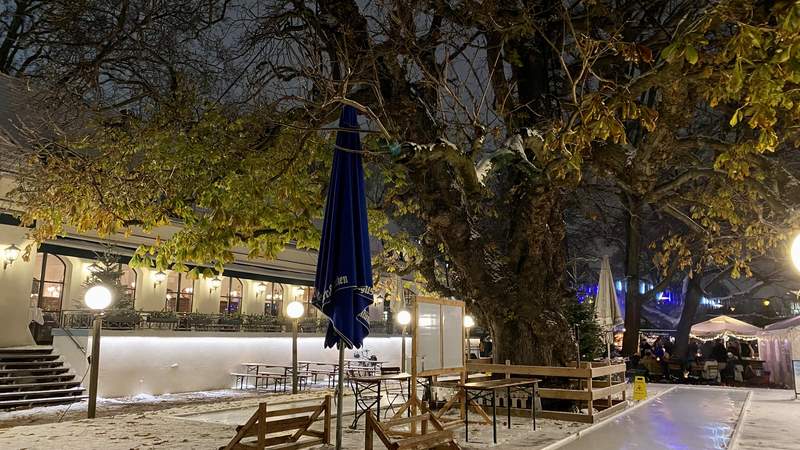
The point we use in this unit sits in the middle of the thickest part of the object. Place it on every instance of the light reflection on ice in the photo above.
(682, 419)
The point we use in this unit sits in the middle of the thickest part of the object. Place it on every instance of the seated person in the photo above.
(651, 364)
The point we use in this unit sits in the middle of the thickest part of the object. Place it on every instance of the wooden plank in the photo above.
(404, 420)
(429, 440)
(564, 394)
(566, 416)
(543, 371)
(326, 433)
(290, 411)
(261, 425)
(439, 372)
(610, 411)
(500, 384)
(292, 423)
(607, 370)
(241, 446)
(242, 430)
(608, 391)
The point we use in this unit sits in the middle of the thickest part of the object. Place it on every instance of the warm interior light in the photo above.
(766, 302)
(796, 252)
(469, 322)
(97, 297)
(94, 268)
(294, 310)
(404, 317)
(261, 288)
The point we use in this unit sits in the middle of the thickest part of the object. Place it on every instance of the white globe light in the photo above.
(261, 288)
(294, 310)
(469, 322)
(796, 252)
(97, 297)
(404, 317)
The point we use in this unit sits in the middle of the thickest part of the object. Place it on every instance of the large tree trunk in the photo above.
(633, 305)
(690, 304)
(503, 243)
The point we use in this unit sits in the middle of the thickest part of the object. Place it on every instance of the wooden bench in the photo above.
(241, 379)
(435, 438)
(288, 427)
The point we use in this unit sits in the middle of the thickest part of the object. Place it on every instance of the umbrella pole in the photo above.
(340, 397)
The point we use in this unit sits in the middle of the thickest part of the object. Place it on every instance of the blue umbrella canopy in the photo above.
(343, 285)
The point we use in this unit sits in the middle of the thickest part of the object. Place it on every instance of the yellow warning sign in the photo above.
(639, 388)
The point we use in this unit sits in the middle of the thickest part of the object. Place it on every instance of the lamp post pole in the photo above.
(94, 364)
(294, 310)
(403, 318)
(97, 297)
(403, 351)
(294, 356)
(469, 322)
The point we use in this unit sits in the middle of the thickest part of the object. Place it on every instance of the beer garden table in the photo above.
(366, 385)
(488, 389)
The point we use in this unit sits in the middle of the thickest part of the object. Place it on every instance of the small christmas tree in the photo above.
(108, 271)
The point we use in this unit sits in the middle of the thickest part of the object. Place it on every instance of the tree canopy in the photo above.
(483, 120)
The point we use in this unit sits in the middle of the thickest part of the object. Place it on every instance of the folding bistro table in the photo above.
(488, 389)
(367, 392)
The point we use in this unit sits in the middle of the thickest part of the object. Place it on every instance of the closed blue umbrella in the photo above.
(343, 285)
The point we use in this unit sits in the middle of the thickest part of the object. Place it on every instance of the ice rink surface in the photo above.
(684, 418)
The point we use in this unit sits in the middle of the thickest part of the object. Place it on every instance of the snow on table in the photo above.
(682, 418)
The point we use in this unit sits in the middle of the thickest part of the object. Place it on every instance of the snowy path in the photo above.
(771, 421)
(683, 418)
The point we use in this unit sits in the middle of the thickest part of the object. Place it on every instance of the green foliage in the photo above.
(107, 270)
(220, 178)
(582, 315)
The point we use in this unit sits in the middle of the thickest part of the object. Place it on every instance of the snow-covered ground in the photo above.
(771, 421)
(769, 424)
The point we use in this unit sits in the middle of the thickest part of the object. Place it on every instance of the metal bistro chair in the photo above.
(393, 390)
(365, 394)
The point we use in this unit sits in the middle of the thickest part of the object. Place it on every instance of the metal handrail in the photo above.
(182, 321)
(74, 341)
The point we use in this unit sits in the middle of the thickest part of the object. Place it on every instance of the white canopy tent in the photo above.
(778, 345)
(724, 326)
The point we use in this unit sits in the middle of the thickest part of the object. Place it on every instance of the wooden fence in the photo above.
(597, 388)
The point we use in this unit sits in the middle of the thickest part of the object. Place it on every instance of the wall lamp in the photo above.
(10, 254)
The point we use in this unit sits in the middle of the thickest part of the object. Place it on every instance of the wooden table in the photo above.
(487, 389)
(254, 367)
(364, 385)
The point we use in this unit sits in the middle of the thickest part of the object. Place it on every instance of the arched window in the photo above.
(180, 292)
(273, 297)
(48, 282)
(231, 295)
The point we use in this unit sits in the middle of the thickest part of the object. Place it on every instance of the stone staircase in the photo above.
(33, 376)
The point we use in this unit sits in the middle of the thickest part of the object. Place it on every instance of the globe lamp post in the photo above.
(469, 322)
(403, 318)
(97, 298)
(294, 310)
